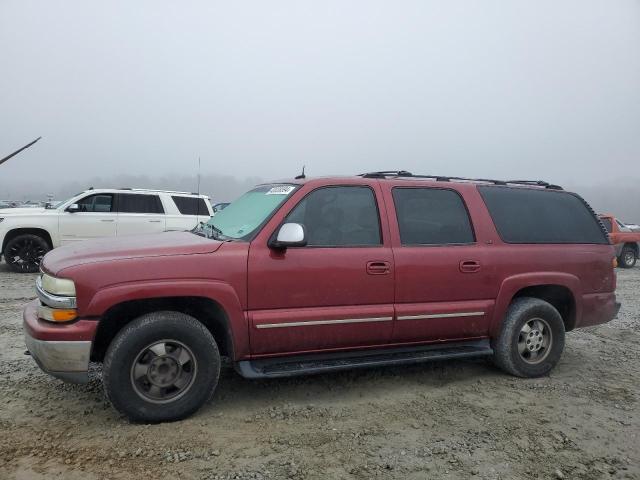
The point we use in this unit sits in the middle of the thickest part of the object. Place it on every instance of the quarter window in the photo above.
(139, 203)
(527, 215)
(339, 216)
(191, 205)
(431, 216)
(99, 203)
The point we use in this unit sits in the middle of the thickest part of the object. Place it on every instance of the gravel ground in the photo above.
(461, 419)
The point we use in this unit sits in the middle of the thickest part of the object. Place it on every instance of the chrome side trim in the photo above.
(441, 315)
(54, 301)
(324, 322)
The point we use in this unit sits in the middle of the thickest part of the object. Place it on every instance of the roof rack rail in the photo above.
(387, 173)
(442, 178)
(159, 190)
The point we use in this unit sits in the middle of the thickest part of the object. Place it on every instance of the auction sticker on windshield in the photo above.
(281, 190)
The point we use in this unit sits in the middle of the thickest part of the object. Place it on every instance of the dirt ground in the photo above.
(462, 419)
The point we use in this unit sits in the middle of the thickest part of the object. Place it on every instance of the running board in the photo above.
(323, 363)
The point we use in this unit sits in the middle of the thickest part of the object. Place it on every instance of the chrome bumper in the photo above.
(68, 361)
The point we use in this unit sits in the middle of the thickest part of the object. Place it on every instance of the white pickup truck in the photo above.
(26, 234)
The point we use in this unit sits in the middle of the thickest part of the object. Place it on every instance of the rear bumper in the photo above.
(598, 308)
(62, 351)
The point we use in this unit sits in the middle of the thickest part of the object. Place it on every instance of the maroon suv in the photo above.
(317, 275)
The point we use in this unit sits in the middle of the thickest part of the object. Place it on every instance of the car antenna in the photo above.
(198, 199)
(18, 151)
(302, 175)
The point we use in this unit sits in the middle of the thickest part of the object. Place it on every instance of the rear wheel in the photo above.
(531, 340)
(163, 366)
(627, 257)
(24, 253)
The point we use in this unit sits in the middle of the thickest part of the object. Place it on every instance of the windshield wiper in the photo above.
(215, 230)
(208, 230)
(200, 230)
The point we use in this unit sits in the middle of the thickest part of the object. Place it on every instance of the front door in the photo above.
(95, 218)
(334, 293)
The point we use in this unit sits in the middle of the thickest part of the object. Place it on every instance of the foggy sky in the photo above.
(506, 89)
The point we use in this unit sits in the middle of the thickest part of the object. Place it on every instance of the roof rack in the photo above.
(442, 178)
(158, 190)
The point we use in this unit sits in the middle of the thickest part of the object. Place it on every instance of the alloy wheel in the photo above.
(535, 340)
(629, 257)
(26, 254)
(163, 371)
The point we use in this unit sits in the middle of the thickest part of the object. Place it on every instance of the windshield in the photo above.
(243, 217)
(54, 204)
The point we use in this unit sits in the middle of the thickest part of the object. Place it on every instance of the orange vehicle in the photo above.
(625, 240)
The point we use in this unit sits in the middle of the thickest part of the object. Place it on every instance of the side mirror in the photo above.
(290, 235)
(73, 208)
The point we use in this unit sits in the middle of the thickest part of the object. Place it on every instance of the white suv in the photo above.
(26, 234)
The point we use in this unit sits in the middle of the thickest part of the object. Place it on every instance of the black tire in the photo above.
(24, 253)
(130, 349)
(529, 311)
(627, 258)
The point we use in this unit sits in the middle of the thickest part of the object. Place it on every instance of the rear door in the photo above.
(443, 285)
(95, 218)
(139, 213)
(334, 293)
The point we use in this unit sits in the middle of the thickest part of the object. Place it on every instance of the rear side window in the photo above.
(138, 203)
(431, 216)
(524, 215)
(191, 206)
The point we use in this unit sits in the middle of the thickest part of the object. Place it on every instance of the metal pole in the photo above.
(18, 151)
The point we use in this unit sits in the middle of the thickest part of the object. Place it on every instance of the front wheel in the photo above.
(531, 340)
(627, 257)
(163, 366)
(24, 253)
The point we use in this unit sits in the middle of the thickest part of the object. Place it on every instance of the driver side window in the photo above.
(339, 217)
(99, 203)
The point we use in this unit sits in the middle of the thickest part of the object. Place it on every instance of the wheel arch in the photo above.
(634, 247)
(206, 310)
(559, 289)
(559, 296)
(15, 232)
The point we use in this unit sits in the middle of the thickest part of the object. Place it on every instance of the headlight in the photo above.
(58, 286)
(1, 218)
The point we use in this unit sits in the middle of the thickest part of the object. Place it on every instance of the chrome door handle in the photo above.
(106, 220)
(155, 221)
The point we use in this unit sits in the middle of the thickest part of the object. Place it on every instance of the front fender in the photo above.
(618, 247)
(220, 292)
(513, 284)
